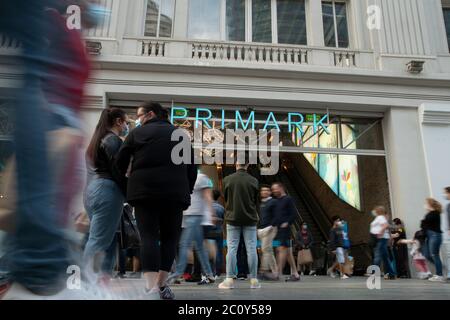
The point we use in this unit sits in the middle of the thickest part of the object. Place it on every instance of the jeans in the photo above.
(219, 255)
(104, 204)
(381, 253)
(193, 232)
(39, 256)
(233, 237)
(432, 252)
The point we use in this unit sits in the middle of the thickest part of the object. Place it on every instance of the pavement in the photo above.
(310, 288)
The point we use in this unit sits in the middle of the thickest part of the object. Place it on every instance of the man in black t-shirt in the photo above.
(285, 213)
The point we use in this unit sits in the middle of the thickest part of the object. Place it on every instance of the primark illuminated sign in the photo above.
(203, 116)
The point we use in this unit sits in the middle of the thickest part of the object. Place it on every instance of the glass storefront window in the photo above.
(204, 19)
(291, 22)
(159, 18)
(349, 180)
(235, 20)
(262, 21)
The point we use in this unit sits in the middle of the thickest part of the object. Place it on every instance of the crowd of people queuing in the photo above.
(138, 200)
(178, 211)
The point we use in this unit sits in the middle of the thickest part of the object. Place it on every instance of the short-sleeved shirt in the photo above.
(377, 225)
(198, 204)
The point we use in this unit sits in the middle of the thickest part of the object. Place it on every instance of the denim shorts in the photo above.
(340, 255)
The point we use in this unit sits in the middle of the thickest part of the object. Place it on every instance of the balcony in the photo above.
(248, 53)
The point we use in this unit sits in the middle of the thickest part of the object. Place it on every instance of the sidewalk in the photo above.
(310, 288)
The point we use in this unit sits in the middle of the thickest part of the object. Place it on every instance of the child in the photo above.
(416, 252)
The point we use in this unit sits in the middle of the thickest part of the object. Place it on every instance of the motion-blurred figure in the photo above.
(55, 68)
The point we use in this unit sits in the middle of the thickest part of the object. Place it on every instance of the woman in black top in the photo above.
(432, 226)
(104, 194)
(159, 189)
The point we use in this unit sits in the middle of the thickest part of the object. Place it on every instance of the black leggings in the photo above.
(159, 225)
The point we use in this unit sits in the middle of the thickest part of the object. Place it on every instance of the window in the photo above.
(447, 24)
(204, 19)
(335, 28)
(159, 18)
(262, 21)
(235, 20)
(266, 21)
(291, 22)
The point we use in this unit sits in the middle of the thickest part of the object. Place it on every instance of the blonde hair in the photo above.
(434, 204)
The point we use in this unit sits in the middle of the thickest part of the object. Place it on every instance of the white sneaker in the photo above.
(436, 278)
(344, 277)
(254, 284)
(228, 283)
(152, 294)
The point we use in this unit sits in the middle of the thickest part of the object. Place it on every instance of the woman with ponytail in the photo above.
(105, 192)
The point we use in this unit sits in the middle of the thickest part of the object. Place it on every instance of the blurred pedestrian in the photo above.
(219, 211)
(285, 214)
(379, 227)
(267, 230)
(193, 221)
(336, 246)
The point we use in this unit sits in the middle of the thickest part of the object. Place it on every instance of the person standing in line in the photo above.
(105, 192)
(432, 226)
(219, 211)
(380, 228)
(159, 189)
(193, 218)
(447, 196)
(336, 246)
(267, 231)
(241, 215)
(419, 260)
(400, 249)
(285, 213)
(304, 241)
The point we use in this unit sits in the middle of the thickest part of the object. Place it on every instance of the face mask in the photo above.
(373, 213)
(125, 131)
(138, 122)
(305, 227)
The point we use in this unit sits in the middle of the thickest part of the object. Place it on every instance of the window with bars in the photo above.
(335, 25)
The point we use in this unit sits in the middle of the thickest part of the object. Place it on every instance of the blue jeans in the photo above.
(250, 239)
(193, 232)
(382, 253)
(219, 255)
(104, 204)
(432, 250)
(38, 253)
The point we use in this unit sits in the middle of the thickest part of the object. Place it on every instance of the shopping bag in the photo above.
(304, 257)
